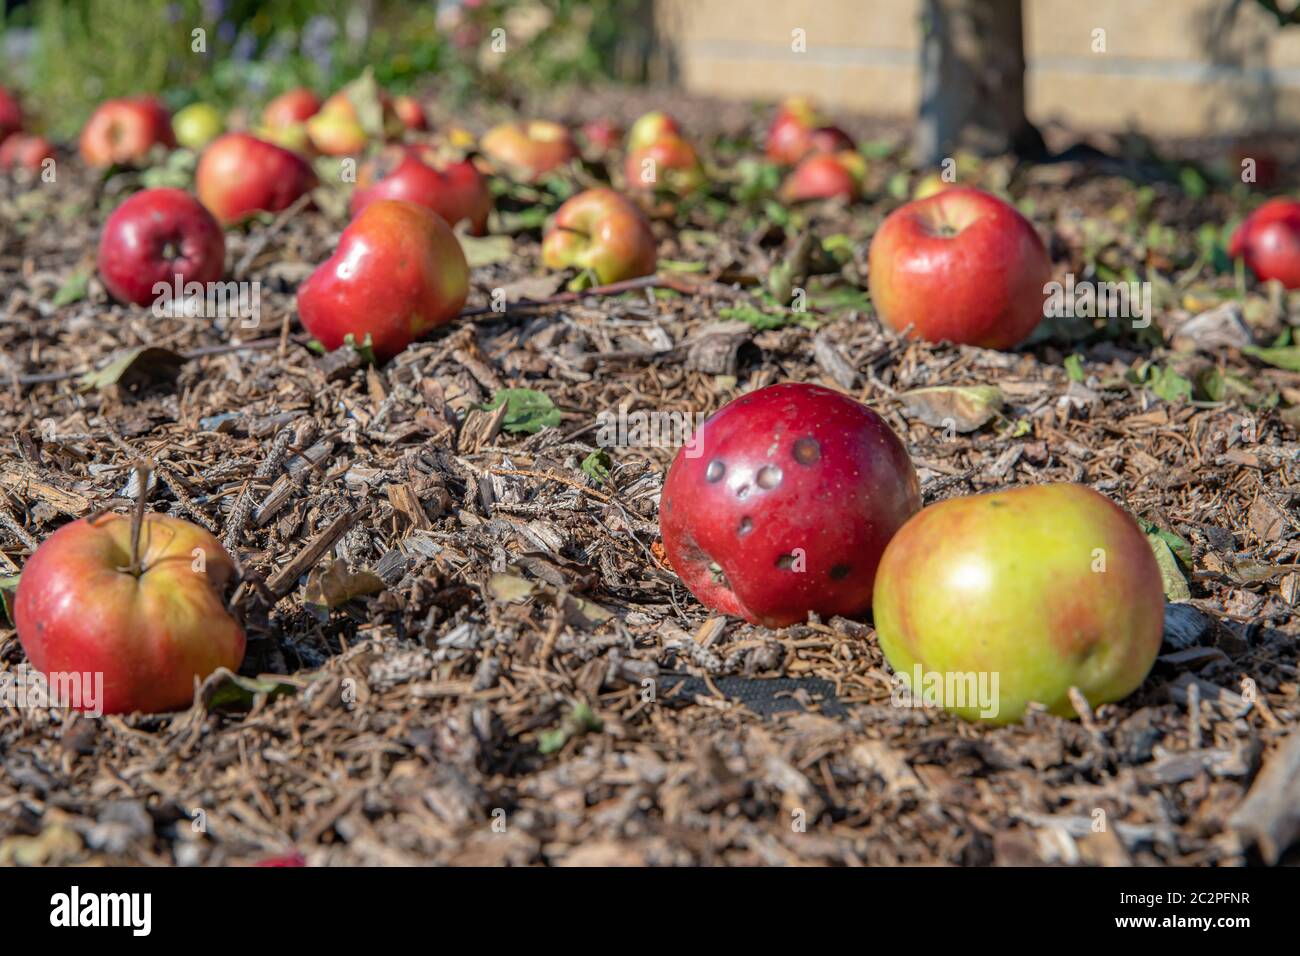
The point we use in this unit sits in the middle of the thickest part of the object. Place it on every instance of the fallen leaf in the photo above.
(332, 585)
(526, 410)
(137, 365)
(510, 588)
(1175, 584)
(487, 250)
(963, 408)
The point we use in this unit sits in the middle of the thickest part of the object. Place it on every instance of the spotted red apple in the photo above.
(1269, 242)
(783, 502)
(155, 236)
(960, 266)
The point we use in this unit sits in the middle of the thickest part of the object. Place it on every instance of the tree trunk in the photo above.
(973, 81)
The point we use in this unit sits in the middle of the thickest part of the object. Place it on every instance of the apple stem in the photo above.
(142, 472)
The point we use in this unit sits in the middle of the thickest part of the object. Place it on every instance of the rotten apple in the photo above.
(455, 191)
(601, 231)
(528, 151)
(155, 236)
(961, 266)
(239, 175)
(125, 130)
(783, 502)
(145, 610)
(397, 273)
(1026, 593)
(1269, 242)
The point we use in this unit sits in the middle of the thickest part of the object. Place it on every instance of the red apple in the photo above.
(411, 113)
(398, 272)
(155, 236)
(21, 151)
(125, 130)
(601, 135)
(290, 109)
(455, 191)
(651, 128)
(11, 114)
(669, 164)
(150, 629)
(1040, 589)
(799, 129)
(961, 266)
(783, 502)
(602, 231)
(830, 139)
(528, 151)
(1269, 242)
(825, 176)
(239, 175)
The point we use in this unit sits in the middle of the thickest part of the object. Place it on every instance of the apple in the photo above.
(825, 176)
(411, 113)
(397, 273)
(455, 191)
(783, 502)
(1042, 588)
(669, 164)
(601, 231)
(239, 175)
(335, 132)
(150, 625)
(651, 128)
(11, 114)
(22, 151)
(197, 125)
(961, 266)
(528, 151)
(290, 109)
(601, 135)
(1269, 242)
(799, 129)
(123, 131)
(155, 236)
(293, 138)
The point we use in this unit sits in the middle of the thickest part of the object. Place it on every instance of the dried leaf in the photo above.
(332, 585)
(961, 408)
(137, 365)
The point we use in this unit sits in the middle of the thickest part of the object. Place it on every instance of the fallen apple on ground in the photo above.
(290, 108)
(601, 231)
(1047, 587)
(125, 130)
(197, 125)
(669, 164)
(961, 266)
(799, 129)
(23, 151)
(825, 176)
(650, 128)
(411, 113)
(528, 151)
(151, 621)
(239, 175)
(1268, 241)
(456, 191)
(155, 236)
(11, 114)
(336, 131)
(783, 503)
(397, 273)
(601, 135)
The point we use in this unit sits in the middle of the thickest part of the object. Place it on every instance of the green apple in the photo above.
(197, 125)
(996, 600)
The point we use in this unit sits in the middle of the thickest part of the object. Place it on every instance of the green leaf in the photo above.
(8, 588)
(578, 721)
(139, 364)
(676, 265)
(1284, 357)
(1168, 384)
(1175, 584)
(526, 410)
(758, 319)
(487, 250)
(72, 290)
(223, 689)
(366, 349)
(597, 465)
(1074, 368)
(1178, 545)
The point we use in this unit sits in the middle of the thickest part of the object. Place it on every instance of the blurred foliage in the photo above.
(242, 52)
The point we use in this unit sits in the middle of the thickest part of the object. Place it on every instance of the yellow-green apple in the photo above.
(290, 108)
(197, 125)
(650, 128)
(528, 151)
(151, 621)
(929, 184)
(961, 266)
(1022, 594)
(336, 132)
(1269, 242)
(125, 130)
(23, 151)
(398, 272)
(239, 175)
(601, 231)
(669, 164)
(155, 236)
(456, 191)
(825, 176)
(783, 502)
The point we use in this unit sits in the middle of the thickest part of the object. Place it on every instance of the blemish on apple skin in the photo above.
(840, 572)
(746, 526)
(715, 471)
